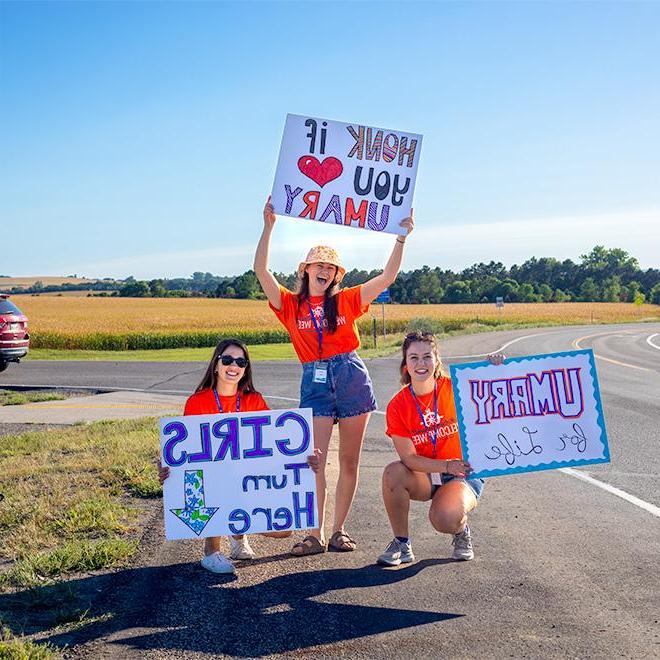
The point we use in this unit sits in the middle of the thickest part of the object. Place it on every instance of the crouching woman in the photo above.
(421, 421)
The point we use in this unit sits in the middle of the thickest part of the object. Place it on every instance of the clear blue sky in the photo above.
(141, 138)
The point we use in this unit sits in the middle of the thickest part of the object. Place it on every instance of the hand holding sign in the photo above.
(532, 413)
(323, 174)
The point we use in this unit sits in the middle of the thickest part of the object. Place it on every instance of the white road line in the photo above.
(576, 344)
(652, 509)
(650, 343)
(500, 349)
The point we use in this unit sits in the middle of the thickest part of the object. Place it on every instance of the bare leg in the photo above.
(322, 433)
(400, 485)
(351, 436)
(451, 504)
(211, 545)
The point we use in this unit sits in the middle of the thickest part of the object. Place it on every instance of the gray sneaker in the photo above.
(463, 545)
(397, 553)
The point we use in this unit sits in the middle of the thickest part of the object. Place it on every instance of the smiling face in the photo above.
(321, 277)
(421, 362)
(230, 375)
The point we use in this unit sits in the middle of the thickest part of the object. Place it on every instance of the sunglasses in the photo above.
(226, 360)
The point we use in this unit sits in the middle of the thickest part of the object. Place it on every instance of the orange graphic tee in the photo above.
(204, 403)
(298, 322)
(403, 420)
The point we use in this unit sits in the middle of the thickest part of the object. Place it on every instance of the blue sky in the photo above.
(141, 138)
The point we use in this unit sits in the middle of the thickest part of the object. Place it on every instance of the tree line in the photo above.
(602, 275)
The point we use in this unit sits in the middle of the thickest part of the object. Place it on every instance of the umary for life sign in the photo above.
(346, 174)
(531, 413)
(238, 473)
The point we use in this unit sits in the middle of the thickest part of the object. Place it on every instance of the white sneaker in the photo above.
(463, 545)
(397, 553)
(217, 563)
(240, 548)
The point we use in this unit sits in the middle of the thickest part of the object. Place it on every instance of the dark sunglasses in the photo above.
(226, 360)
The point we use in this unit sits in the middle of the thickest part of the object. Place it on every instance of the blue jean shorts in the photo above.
(476, 485)
(348, 391)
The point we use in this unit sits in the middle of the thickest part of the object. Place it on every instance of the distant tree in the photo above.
(135, 289)
(611, 289)
(589, 290)
(545, 292)
(458, 292)
(157, 289)
(654, 295)
(560, 296)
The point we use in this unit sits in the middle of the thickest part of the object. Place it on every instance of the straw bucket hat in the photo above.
(323, 254)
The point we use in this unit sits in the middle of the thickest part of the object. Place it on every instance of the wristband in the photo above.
(402, 242)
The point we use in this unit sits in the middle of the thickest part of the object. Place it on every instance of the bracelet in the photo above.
(402, 242)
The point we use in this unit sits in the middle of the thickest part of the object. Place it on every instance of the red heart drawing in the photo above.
(321, 173)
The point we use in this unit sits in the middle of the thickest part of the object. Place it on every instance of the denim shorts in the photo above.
(476, 485)
(348, 391)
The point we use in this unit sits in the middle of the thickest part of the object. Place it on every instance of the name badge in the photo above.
(435, 479)
(320, 373)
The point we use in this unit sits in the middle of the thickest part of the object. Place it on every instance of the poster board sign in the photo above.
(238, 473)
(346, 174)
(530, 413)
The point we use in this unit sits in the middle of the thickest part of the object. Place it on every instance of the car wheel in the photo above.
(3, 365)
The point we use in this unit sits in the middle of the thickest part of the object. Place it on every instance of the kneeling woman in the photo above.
(421, 420)
(226, 387)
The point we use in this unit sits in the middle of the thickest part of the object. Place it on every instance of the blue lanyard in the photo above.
(217, 400)
(317, 327)
(432, 434)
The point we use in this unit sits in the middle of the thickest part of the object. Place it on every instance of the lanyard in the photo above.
(433, 435)
(217, 400)
(318, 327)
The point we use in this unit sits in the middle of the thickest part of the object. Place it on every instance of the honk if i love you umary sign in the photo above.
(346, 174)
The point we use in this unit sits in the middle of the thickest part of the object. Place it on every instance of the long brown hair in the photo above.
(329, 303)
(210, 379)
(429, 338)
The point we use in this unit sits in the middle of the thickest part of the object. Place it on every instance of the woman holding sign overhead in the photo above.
(226, 387)
(421, 420)
(320, 319)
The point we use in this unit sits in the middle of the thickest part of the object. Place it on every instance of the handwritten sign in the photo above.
(346, 174)
(530, 413)
(238, 473)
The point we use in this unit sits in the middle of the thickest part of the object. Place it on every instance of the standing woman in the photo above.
(421, 420)
(320, 319)
(226, 387)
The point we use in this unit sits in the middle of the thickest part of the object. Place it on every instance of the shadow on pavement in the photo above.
(209, 613)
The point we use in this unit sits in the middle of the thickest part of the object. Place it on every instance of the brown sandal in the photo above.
(310, 545)
(341, 542)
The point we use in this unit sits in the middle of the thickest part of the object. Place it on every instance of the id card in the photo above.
(436, 479)
(320, 373)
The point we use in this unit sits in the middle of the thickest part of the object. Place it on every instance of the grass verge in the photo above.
(71, 503)
(284, 351)
(9, 398)
(18, 648)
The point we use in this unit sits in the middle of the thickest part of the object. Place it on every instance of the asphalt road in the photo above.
(563, 568)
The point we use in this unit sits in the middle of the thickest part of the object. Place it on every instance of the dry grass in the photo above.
(69, 497)
(77, 316)
(11, 282)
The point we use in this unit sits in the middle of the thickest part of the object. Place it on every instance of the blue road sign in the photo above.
(383, 297)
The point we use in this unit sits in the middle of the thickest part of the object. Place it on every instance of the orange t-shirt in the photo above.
(297, 320)
(204, 403)
(403, 420)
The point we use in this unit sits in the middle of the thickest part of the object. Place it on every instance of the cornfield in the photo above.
(151, 323)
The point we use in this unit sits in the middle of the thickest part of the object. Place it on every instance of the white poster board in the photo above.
(346, 174)
(238, 473)
(531, 413)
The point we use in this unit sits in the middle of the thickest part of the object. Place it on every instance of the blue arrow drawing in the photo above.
(194, 514)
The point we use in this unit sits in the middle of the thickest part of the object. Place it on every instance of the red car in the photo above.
(14, 338)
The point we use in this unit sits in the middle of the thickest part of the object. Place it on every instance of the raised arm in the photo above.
(406, 450)
(266, 278)
(371, 288)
